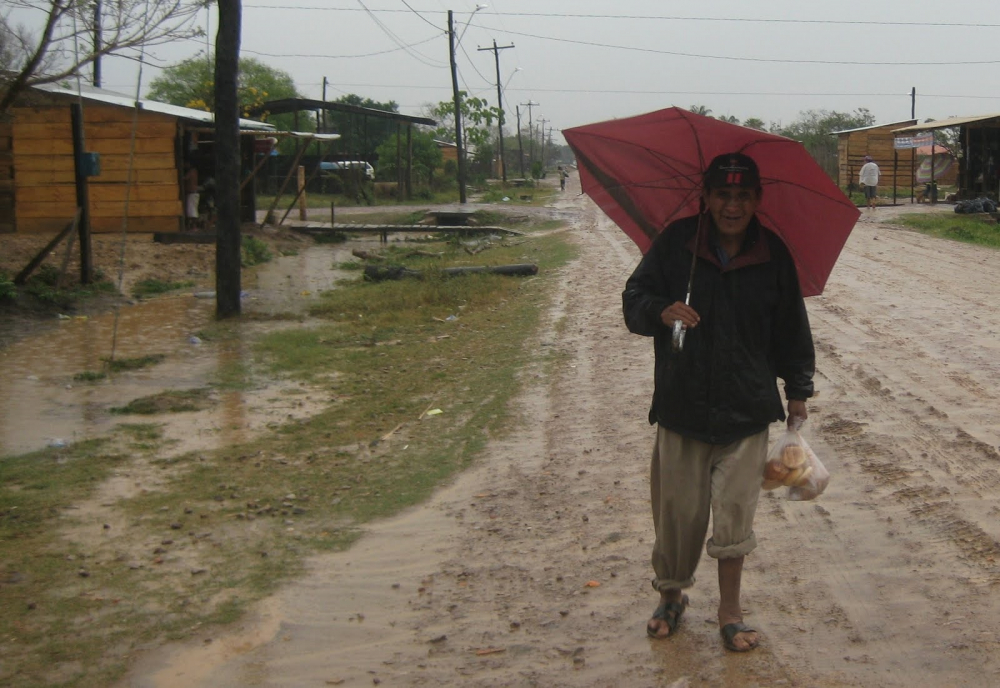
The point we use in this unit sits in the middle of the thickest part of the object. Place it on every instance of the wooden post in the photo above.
(399, 163)
(409, 161)
(302, 193)
(82, 197)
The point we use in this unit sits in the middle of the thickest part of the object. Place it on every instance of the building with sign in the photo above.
(978, 154)
(877, 141)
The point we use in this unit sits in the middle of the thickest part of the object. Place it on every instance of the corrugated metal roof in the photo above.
(945, 123)
(874, 126)
(111, 98)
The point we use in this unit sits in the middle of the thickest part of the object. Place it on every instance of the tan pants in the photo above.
(690, 479)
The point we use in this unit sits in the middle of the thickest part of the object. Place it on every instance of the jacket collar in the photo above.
(754, 252)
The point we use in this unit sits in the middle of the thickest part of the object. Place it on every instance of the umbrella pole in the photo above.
(678, 337)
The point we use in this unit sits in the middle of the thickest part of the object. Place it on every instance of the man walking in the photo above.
(715, 391)
(868, 178)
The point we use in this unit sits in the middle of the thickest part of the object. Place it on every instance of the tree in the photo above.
(814, 128)
(755, 123)
(361, 136)
(700, 110)
(427, 157)
(191, 83)
(65, 44)
(477, 122)
(731, 119)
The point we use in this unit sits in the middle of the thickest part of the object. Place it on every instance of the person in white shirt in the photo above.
(868, 177)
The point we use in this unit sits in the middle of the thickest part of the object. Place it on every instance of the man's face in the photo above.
(732, 208)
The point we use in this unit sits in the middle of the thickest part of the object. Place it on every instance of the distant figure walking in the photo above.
(563, 173)
(190, 195)
(868, 178)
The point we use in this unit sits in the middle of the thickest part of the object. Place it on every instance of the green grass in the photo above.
(118, 365)
(171, 401)
(377, 355)
(981, 230)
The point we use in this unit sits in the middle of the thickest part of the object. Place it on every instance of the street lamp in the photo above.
(468, 21)
(516, 70)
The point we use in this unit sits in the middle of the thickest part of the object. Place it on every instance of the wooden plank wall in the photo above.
(7, 223)
(44, 188)
(878, 143)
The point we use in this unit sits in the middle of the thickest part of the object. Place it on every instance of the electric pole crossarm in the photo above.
(496, 56)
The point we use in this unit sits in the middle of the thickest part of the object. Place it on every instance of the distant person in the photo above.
(191, 195)
(868, 178)
(206, 203)
(563, 173)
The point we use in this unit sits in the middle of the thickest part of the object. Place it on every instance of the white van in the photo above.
(345, 165)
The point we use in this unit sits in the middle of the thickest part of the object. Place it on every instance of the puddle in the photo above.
(42, 405)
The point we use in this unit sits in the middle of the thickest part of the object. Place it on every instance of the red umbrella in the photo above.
(645, 171)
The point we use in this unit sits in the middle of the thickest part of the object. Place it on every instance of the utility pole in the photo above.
(97, 43)
(496, 56)
(543, 143)
(531, 133)
(457, 95)
(324, 109)
(520, 148)
(913, 102)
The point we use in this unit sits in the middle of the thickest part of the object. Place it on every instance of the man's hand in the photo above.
(680, 311)
(797, 413)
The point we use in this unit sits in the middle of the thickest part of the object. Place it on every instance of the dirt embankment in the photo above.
(532, 569)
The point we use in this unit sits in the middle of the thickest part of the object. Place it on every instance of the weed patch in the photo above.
(981, 230)
(171, 401)
(152, 287)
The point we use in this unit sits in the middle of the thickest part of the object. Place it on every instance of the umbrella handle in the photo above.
(679, 331)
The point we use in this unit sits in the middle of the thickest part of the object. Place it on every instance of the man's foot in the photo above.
(667, 616)
(738, 637)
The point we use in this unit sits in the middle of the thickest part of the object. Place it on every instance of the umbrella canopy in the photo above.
(942, 163)
(646, 171)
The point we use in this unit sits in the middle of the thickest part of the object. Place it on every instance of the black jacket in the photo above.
(754, 328)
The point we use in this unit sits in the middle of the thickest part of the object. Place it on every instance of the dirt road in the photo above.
(532, 569)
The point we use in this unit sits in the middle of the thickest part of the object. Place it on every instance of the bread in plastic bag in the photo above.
(793, 464)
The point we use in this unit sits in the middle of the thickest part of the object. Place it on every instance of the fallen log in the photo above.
(366, 255)
(379, 273)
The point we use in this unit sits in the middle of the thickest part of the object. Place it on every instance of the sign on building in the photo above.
(922, 139)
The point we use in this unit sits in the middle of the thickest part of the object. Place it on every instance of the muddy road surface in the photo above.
(532, 568)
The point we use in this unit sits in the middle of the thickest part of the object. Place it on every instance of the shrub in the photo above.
(254, 252)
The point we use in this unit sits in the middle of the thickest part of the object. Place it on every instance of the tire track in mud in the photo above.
(904, 412)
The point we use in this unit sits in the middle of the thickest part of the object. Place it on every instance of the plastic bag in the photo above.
(793, 464)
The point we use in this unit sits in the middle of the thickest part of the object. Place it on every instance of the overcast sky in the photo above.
(584, 61)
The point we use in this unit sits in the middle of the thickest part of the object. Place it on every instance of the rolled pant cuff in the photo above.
(732, 551)
(665, 584)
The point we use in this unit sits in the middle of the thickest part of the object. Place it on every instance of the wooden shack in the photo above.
(37, 178)
(877, 141)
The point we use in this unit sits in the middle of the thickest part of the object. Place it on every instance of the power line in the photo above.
(342, 57)
(418, 14)
(398, 41)
(642, 17)
(741, 59)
